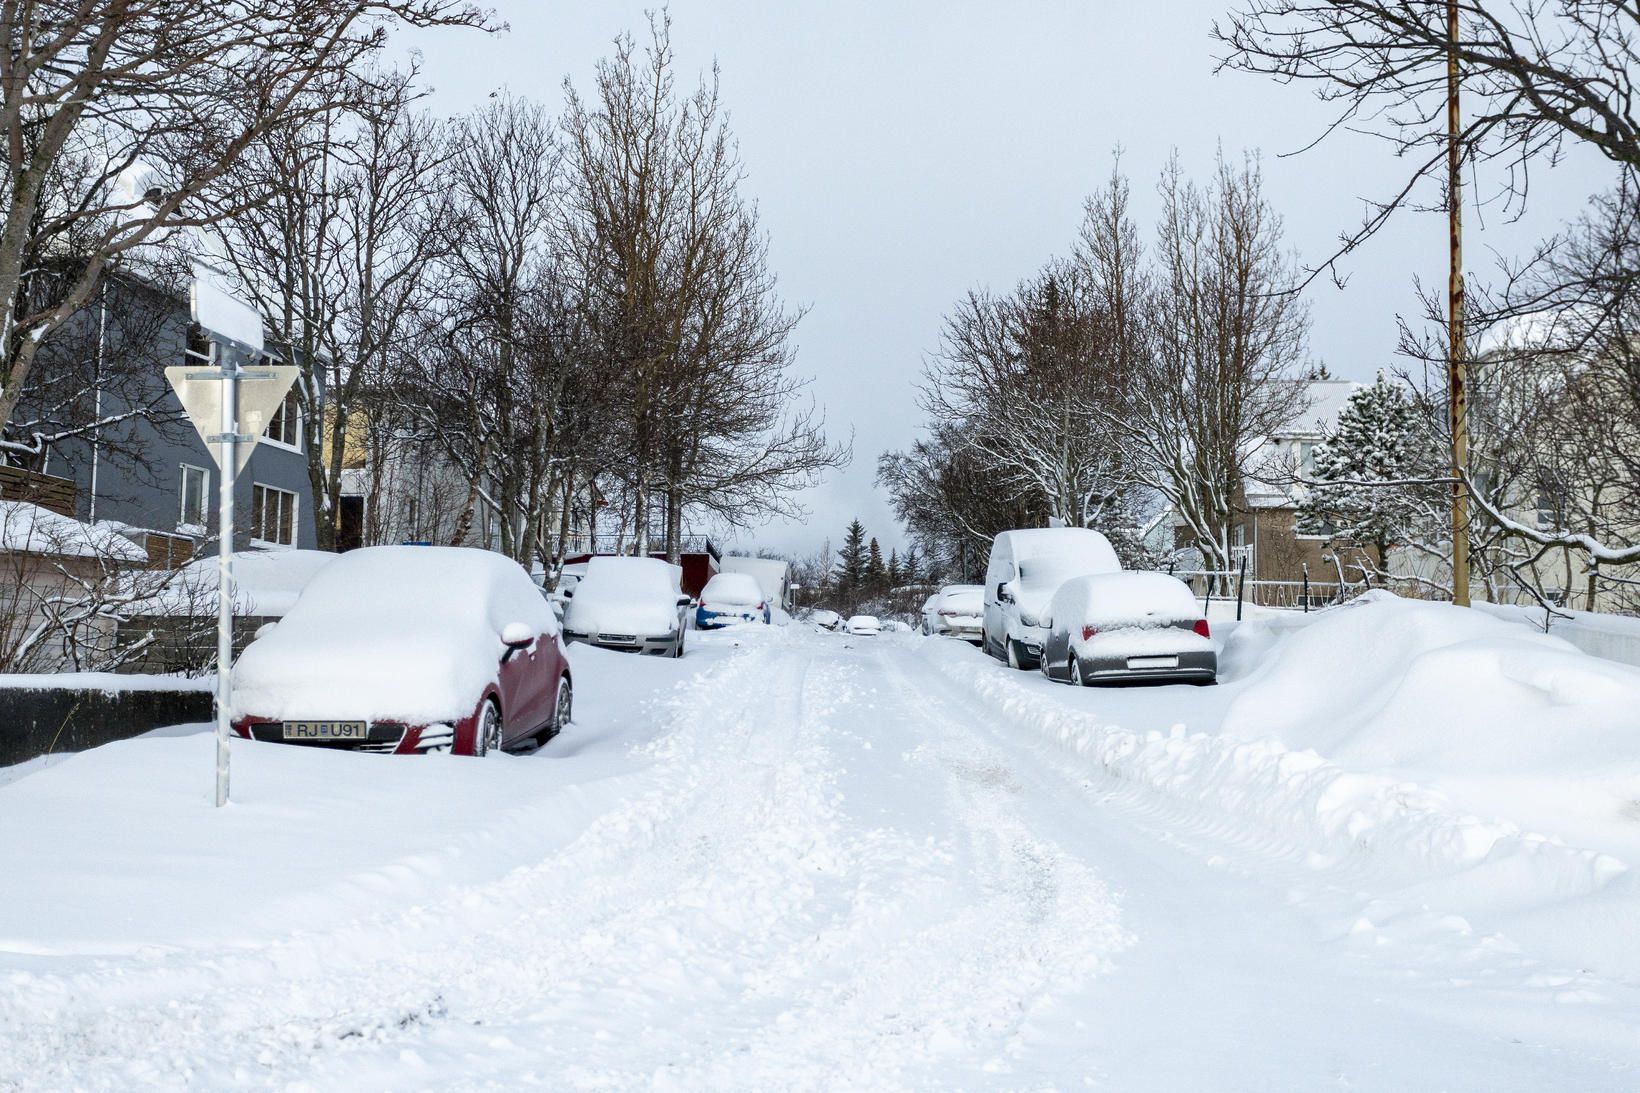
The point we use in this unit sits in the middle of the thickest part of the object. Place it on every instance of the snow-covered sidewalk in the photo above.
(797, 860)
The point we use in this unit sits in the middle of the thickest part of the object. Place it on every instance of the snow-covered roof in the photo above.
(266, 582)
(26, 528)
(1325, 399)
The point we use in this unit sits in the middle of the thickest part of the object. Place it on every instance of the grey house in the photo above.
(149, 470)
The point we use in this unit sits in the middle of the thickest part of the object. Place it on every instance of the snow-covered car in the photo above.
(826, 620)
(408, 649)
(731, 599)
(956, 611)
(863, 625)
(1025, 569)
(1124, 627)
(632, 604)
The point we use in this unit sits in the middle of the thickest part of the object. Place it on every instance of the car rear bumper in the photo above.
(385, 737)
(664, 645)
(1192, 667)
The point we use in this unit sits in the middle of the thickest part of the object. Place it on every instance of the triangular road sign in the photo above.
(259, 400)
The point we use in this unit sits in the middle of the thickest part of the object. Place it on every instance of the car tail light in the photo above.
(1201, 628)
(1088, 632)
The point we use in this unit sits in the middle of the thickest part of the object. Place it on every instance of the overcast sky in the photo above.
(903, 152)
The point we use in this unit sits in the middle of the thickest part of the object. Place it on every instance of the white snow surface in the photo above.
(626, 596)
(393, 632)
(732, 590)
(265, 582)
(902, 866)
(1130, 597)
(26, 528)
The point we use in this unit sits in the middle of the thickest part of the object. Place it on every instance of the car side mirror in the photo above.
(1004, 593)
(685, 601)
(569, 593)
(516, 636)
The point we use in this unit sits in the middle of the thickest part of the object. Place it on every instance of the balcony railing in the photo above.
(625, 544)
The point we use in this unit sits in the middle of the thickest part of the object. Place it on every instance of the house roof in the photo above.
(26, 528)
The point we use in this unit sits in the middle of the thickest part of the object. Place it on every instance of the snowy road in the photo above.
(801, 863)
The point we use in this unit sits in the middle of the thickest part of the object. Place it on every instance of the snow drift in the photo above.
(1426, 745)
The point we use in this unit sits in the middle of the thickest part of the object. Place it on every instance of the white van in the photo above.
(1026, 569)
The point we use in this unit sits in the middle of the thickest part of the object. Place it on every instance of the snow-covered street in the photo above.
(790, 860)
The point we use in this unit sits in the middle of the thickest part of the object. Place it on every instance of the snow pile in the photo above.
(636, 596)
(26, 528)
(393, 633)
(1376, 737)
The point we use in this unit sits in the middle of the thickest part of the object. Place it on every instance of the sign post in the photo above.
(230, 407)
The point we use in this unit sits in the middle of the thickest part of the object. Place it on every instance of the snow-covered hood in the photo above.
(416, 676)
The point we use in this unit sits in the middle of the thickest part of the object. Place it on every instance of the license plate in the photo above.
(327, 730)
(1153, 662)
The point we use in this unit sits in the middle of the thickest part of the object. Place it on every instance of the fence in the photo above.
(624, 544)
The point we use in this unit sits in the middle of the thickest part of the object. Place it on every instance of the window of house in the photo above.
(286, 426)
(196, 490)
(1546, 514)
(273, 515)
(1306, 458)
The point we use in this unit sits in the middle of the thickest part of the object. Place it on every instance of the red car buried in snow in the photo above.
(409, 649)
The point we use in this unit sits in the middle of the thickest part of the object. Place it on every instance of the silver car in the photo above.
(1125, 628)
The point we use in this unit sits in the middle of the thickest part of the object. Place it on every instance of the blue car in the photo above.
(731, 599)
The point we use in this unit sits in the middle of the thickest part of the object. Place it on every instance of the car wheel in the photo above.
(562, 708)
(487, 734)
(1074, 673)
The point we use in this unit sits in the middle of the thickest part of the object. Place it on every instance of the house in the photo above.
(148, 471)
(1265, 542)
(54, 570)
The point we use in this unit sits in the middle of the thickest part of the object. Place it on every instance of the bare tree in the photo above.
(339, 258)
(683, 301)
(1538, 76)
(1225, 331)
(122, 120)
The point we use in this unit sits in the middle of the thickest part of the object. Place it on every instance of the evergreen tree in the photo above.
(896, 575)
(850, 571)
(876, 571)
(1378, 441)
(911, 566)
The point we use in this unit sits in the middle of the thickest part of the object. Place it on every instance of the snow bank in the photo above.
(1378, 737)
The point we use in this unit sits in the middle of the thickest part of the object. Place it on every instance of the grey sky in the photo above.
(903, 152)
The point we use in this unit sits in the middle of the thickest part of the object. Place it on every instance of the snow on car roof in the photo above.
(650, 575)
(736, 588)
(1115, 597)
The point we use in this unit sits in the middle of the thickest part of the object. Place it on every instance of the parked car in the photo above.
(1025, 569)
(632, 604)
(731, 599)
(826, 620)
(956, 611)
(409, 649)
(1122, 627)
(864, 626)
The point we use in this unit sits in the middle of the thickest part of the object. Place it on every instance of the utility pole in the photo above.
(1457, 397)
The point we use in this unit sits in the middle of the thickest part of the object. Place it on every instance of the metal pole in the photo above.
(1456, 395)
(224, 555)
(1241, 584)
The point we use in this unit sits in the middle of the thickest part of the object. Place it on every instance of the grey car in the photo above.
(1126, 628)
